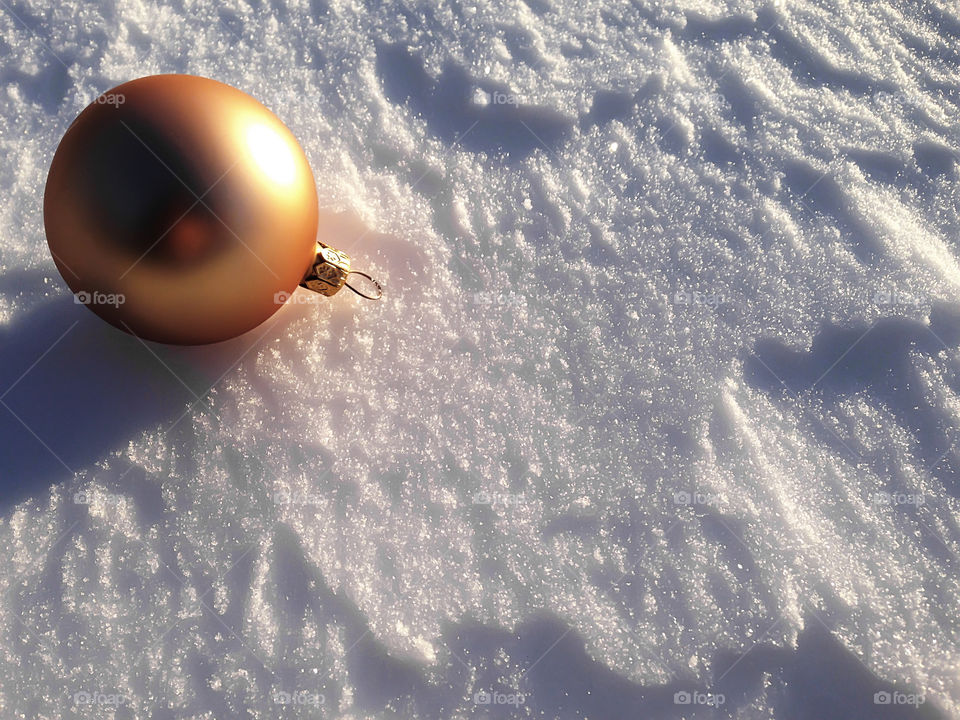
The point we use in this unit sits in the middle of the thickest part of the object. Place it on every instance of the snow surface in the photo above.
(670, 305)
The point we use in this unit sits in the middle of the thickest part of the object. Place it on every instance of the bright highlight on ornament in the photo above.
(271, 153)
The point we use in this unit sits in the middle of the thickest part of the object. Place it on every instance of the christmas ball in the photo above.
(181, 210)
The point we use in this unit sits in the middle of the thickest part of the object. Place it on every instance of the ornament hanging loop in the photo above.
(329, 271)
(376, 284)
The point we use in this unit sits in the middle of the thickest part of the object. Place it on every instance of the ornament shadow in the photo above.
(73, 389)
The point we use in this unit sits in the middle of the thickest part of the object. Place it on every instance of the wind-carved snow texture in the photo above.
(660, 407)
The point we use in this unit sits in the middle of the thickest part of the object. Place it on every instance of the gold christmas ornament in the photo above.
(180, 209)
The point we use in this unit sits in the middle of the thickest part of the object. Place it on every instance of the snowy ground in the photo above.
(662, 397)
